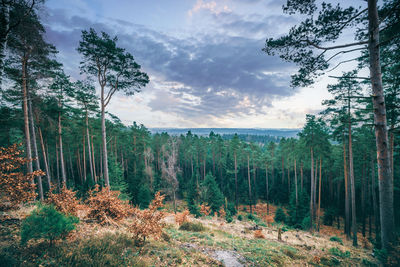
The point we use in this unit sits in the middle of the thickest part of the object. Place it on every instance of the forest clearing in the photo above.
(199, 133)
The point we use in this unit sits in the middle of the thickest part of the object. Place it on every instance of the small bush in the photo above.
(258, 234)
(222, 212)
(336, 239)
(195, 210)
(148, 222)
(182, 217)
(106, 207)
(251, 217)
(205, 210)
(280, 216)
(193, 227)
(47, 223)
(239, 217)
(65, 201)
(231, 208)
(339, 253)
(228, 218)
(306, 223)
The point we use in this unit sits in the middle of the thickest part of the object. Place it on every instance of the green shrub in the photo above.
(193, 227)
(231, 208)
(144, 196)
(47, 223)
(306, 223)
(228, 217)
(212, 194)
(336, 239)
(280, 216)
(329, 216)
(239, 217)
(339, 253)
(297, 213)
(251, 217)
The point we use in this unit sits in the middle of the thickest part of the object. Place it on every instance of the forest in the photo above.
(63, 153)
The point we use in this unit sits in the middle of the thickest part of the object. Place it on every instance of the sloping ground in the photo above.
(220, 244)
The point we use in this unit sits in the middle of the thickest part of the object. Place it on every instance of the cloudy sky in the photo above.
(203, 57)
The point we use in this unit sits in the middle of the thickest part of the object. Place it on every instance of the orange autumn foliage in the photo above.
(15, 186)
(105, 206)
(65, 201)
(258, 234)
(148, 222)
(182, 217)
(222, 212)
(205, 210)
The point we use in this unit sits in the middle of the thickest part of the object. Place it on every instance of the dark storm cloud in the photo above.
(218, 75)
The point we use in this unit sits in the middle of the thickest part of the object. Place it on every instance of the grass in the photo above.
(336, 239)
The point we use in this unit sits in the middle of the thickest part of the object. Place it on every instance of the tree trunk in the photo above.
(94, 163)
(236, 183)
(89, 151)
(378, 100)
(346, 194)
(374, 200)
(319, 191)
(248, 178)
(352, 183)
(84, 156)
(301, 176)
(46, 164)
(312, 188)
(35, 149)
(104, 137)
(283, 170)
(57, 165)
(295, 181)
(60, 144)
(267, 186)
(26, 117)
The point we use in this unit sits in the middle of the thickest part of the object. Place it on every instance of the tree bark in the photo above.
(295, 181)
(35, 149)
(94, 163)
(374, 200)
(267, 186)
(248, 178)
(380, 121)
(319, 192)
(352, 183)
(26, 117)
(346, 194)
(236, 183)
(312, 188)
(46, 164)
(60, 144)
(89, 151)
(104, 137)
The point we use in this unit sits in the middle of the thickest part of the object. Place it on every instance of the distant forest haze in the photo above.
(342, 168)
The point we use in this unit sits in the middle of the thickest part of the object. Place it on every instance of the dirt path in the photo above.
(226, 257)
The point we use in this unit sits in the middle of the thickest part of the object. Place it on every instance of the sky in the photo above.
(203, 58)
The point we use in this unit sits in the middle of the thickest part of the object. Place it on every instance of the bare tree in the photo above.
(170, 169)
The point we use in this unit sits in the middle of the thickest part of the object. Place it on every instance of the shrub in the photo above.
(193, 227)
(258, 234)
(296, 213)
(329, 216)
(228, 217)
(250, 216)
(148, 222)
(46, 222)
(144, 196)
(182, 217)
(212, 194)
(105, 206)
(205, 210)
(231, 208)
(336, 239)
(280, 215)
(339, 253)
(306, 223)
(15, 187)
(222, 212)
(65, 201)
(239, 217)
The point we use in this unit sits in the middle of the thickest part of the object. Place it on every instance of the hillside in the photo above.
(245, 242)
